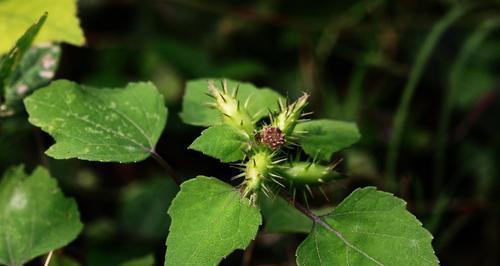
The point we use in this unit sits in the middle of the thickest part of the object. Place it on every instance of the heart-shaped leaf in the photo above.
(209, 221)
(120, 125)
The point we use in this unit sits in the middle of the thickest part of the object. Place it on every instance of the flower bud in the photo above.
(306, 173)
(290, 115)
(233, 113)
(257, 171)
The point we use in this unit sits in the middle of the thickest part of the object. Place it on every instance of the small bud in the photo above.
(307, 173)
(233, 113)
(256, 171)
(287, 119)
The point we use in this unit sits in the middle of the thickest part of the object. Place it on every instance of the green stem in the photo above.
(473, 41)
(404, 105)
(166, 166)
(354, 93)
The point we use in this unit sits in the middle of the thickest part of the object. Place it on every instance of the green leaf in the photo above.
(35, 217)
(62, 24)
(119, 125)
(321, 138)
(35, 70)
(369, 227)
(195, 110)
(209, 221)
(281, 217)
(222, 142)
(9, 62)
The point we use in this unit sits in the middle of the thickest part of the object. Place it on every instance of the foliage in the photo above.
(62, 25)
(10, 62)
(285, 148)
(209, 221)
(35, 216)
(120, 125)
(366, 229)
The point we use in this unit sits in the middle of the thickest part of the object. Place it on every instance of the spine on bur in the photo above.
(290, 115)
(307, 173)
(264, 168)
(233, 113)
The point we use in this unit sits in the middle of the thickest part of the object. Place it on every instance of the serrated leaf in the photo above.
(209, 221)
(36, 69)
(62, 25)
(195, 110)
(119, 125)
(222, 142)
(35, 217)
(321, 138)
(369, 227)
(10, 61)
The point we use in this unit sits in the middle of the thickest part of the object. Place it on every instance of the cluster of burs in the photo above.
(272, 158)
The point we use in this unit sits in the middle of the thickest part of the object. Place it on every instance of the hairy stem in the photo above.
(168, 169)
(315, 218)
(409, 90)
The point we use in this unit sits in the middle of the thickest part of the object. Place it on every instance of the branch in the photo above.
(315, 218)
(168, 169)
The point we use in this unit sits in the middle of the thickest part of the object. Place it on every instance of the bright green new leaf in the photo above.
(35, 217)
(195, 110)
(210, 220)
(369, 227)
(222, 142)
(10, 61)
(62, 24)
(321, 138)
(120, 125)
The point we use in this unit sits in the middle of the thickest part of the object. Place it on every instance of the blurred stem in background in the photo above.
(404, 105)
(475, 39)
(355, 93)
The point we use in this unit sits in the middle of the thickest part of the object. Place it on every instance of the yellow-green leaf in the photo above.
(62, 23)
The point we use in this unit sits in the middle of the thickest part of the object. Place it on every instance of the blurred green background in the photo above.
(420, 78)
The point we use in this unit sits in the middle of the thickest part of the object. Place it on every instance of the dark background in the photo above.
(354, 57)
